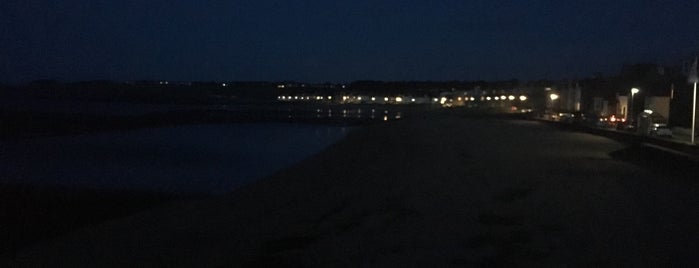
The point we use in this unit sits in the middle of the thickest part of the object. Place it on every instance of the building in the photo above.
(659, 105)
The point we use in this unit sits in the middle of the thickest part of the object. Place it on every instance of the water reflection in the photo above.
(358, 113)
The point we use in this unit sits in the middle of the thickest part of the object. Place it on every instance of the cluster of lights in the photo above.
(502, 98)
(612, 119)
(398, 99)
(288, 98)
(386, 99)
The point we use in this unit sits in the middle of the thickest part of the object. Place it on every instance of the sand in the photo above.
(440, 190)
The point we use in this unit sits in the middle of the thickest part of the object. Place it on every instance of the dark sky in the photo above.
(338, 40)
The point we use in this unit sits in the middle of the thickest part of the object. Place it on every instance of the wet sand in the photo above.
(433, 191)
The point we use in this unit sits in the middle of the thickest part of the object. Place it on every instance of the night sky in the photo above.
(338, 41)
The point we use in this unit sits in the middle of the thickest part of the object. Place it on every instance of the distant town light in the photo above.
(488, 98)
(413, 99)
(435, 100)
(473, 99)
(442, 100)
(503, 97)
(399, 99)
(497, 98)
(385, 99)
(522, 98)
(223, 84)
(648, 111)
(330, 97)
(634, 90)
(553, 96)
(459, 98)
(281, 86)
(511, 97)
(359, 98)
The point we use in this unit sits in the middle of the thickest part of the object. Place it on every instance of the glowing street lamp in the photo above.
(553, 97)
(633, 92)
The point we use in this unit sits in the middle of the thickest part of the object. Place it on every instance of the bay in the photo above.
(188, 159)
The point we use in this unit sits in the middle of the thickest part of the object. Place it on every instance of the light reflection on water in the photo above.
(357, 113)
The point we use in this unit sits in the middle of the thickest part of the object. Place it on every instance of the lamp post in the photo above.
(693, 78)
(633, 92)
(694, 111)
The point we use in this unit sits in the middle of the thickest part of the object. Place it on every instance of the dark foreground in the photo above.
(433, 191)
(32, 213)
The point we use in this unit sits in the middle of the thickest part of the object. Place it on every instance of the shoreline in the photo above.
(36, 124)
(424, 191)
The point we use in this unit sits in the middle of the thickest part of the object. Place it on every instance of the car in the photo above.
(626, 126)
(661, 131)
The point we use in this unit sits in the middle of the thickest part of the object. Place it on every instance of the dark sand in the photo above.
(31, 213)
(442, 191)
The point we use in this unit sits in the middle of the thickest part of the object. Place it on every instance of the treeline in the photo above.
(143, 91)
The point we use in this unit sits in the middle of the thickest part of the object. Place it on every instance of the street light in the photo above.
(551, 104)
(633, 92)
(693, 78)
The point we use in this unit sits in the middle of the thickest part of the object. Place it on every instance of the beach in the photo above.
(433, 190)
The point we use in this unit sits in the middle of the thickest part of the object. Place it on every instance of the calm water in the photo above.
(184, 159)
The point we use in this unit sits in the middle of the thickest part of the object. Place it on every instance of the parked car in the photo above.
(661, 130)
(626, 126)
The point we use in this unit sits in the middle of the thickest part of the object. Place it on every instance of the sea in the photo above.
(186, 159)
